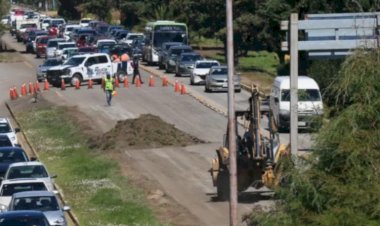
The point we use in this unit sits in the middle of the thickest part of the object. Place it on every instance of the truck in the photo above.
(82, 68)
(22, 25)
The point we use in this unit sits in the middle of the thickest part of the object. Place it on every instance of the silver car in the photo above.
(42, 69)
(44, 201)
(201, 69)
(217, 80)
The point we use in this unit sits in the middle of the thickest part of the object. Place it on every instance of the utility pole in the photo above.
(231, 116)
(294, 83)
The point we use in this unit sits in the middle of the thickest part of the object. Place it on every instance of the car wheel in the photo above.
(75, 78)
(206, 89)
(192, 82)
(121, 76)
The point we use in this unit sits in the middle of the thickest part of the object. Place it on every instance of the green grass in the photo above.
(92, 183)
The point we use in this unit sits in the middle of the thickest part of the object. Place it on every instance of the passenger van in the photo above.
(309, 102)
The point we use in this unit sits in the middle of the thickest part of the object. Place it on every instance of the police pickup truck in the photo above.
(85, 67)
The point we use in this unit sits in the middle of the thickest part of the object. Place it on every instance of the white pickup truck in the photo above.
(85, 67)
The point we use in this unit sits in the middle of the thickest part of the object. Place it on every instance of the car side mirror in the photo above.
(33, 158)
(17, 130)
(66, 208)
(54, 176)
(55, 192)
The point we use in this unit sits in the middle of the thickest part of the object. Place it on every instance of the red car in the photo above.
(41, 43)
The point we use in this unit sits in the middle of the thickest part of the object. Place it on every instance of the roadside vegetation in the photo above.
(338, 184)
(92, 183)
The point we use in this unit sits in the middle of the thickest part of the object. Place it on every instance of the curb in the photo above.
(60, 193)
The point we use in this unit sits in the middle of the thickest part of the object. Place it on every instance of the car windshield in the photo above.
(36, 171)
(85, 21)
(5, 142)
(69, 28)
(206, 65)
(103, 29)
(41, 203)
(23, 221)
(176, 52)
(64, 46)
(43, 40)
(5, 128)
(52, 62)
(74, 61)
(10, 189)
(52, 44)
(12, 156)
(191, 58)
(219, 71)
(131, 37)
(303, 95)
(161, 37)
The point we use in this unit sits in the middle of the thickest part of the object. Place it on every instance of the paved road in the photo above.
(182, 172)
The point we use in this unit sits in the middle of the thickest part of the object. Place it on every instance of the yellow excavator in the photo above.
(258, 151)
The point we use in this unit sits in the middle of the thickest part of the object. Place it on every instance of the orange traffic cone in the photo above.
(176, 86)
(63, 85)
(23, 90)
(126, 82)
(15, 92)
(183, 89)
(77, 84)
(46, 85)
(31, 89)
(114, 93)
(165, 81)
(37, 86)
(117, 82)
(90, 84)
(138, 82)
(151, 81)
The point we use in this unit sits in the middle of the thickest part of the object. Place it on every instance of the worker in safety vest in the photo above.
(109, 88)
(124, 61)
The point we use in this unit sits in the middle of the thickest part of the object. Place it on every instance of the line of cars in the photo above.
(27, 193)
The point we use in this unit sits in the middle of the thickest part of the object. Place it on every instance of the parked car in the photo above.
(29, 217)
(69, 52)
(31, 40)
(63, 45)
(7, 129)
(163, 51)
(185, 63)
(68, 29)
(43, 201)
(27, 170)
(48, 63)
(173, 53)
(9, 155)
(201, 69)
(217, 80)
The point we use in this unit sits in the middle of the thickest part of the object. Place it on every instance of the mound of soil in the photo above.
(147, 131)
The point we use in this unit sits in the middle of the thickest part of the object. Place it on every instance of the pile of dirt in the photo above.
(147, 131)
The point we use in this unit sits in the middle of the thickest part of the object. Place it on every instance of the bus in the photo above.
(158, 32)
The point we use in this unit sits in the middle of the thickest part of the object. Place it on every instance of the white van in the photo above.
(309, 101)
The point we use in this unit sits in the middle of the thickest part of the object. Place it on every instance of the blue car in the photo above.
(29, 217)
(9, 155)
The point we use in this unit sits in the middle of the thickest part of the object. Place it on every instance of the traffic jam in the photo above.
(82, 52)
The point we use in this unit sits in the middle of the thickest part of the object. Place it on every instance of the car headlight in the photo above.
(3, 208)
(60, 221)
(66, 71)
(13, 138)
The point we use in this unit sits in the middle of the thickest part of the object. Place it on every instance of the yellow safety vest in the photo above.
(109, 84)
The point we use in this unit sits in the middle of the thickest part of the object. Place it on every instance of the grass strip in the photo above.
(92, 183)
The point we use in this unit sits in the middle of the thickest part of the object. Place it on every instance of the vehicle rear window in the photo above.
(36, 171)
(12, 156)
(206, 65)
(303, 95)
(5, 128)
(23, 220)
(5, 142)
(41, 203)
(66, 46)
(10, 189)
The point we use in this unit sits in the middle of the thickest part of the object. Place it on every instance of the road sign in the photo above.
(336, 35)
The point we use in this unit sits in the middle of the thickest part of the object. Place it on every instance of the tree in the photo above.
(100, 8)
(339, 183)
(69, 10)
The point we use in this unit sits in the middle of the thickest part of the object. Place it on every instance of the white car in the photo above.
(7, 129)
(10, 187)
(68, 29)
(30, 170)
(130, 37)
(84, 22)
(68, 52)
(201, 69)
(45, 23)
(51, 46)
(63, 45)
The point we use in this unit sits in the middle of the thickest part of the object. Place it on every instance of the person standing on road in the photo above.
(109, 87)
(136, 71)
(124, 61)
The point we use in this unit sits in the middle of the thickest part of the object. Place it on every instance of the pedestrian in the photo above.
(124, 61)
(136, 71)
(109, 88)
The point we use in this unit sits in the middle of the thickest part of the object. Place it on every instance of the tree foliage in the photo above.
(339, 184)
